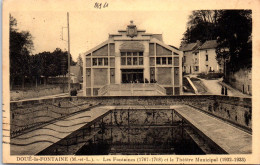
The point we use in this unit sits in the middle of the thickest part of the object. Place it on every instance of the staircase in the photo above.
(135, 89)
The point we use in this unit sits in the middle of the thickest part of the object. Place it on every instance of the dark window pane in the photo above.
(169, 60)
(196, 60)
(123, 53)
(100, 61)
(123, 60)
(105, 61)
(140, 53)
(129, 61)
(135, 54)
(94, 62)
(141, 61)
(164, 61)
(135, 61)
(129, 53)
(197, 68)
(158, 60)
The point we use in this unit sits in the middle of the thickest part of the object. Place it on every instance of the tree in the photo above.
(36, 68)
(201, 26)
(51, 64)
(80, 64)
(231, 28)
(234, 39)
(20, 48)
(80, 61)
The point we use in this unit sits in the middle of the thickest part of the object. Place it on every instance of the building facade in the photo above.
(201, 58)
(132, 56)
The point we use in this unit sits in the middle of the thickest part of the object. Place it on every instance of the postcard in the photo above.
(130, 82)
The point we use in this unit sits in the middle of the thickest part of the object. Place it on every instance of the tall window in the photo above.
(94, 61)
(158, 60)
(207, 57)
(131, 58)
(105, 61)
(196, 61)
(100, 61)
(164, 60)
(169, 60)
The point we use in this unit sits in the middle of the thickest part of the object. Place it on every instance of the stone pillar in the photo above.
(84, 75)
(146, 61)
(146, 66)
(117, 64)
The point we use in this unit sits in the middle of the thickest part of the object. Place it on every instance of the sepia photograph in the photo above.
(106, 85)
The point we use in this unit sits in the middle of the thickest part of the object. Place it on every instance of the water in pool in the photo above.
(130, 132)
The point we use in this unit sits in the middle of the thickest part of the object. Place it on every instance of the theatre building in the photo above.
(132, 63)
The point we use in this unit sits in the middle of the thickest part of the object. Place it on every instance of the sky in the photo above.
(90, 28)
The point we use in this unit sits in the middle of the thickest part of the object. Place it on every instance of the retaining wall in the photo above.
(32, 113)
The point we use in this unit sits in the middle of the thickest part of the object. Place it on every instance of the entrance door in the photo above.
(132, 75)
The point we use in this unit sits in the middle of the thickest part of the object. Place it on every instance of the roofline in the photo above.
(174, 47)
(96, 47)
(200, 48)
(163, 44)
(191, 48)
(138, 30)
(115, 34)
(207, 48)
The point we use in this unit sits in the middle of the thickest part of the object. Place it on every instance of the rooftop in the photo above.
(188, 47)
(209, 44)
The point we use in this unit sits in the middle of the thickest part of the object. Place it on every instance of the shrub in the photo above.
(210, 75)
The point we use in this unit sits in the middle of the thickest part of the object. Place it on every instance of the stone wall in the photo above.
(28, 115)
(142, 117)
(34, 93)
(16, 95)
(232, 109)
(241, 80)
(235, 110)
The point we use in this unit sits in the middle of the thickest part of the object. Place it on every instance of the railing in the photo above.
(105, 90)
(102, 91)
(160, 88)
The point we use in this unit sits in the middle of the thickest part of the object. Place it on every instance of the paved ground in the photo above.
(228, 137)
(233, 90)
(214, 87)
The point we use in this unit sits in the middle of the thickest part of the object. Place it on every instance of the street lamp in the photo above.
(226, 59)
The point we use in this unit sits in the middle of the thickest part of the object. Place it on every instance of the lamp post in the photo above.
(226, 59)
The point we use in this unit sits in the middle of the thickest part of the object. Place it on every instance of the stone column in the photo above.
(117, 63)
(146, 61)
